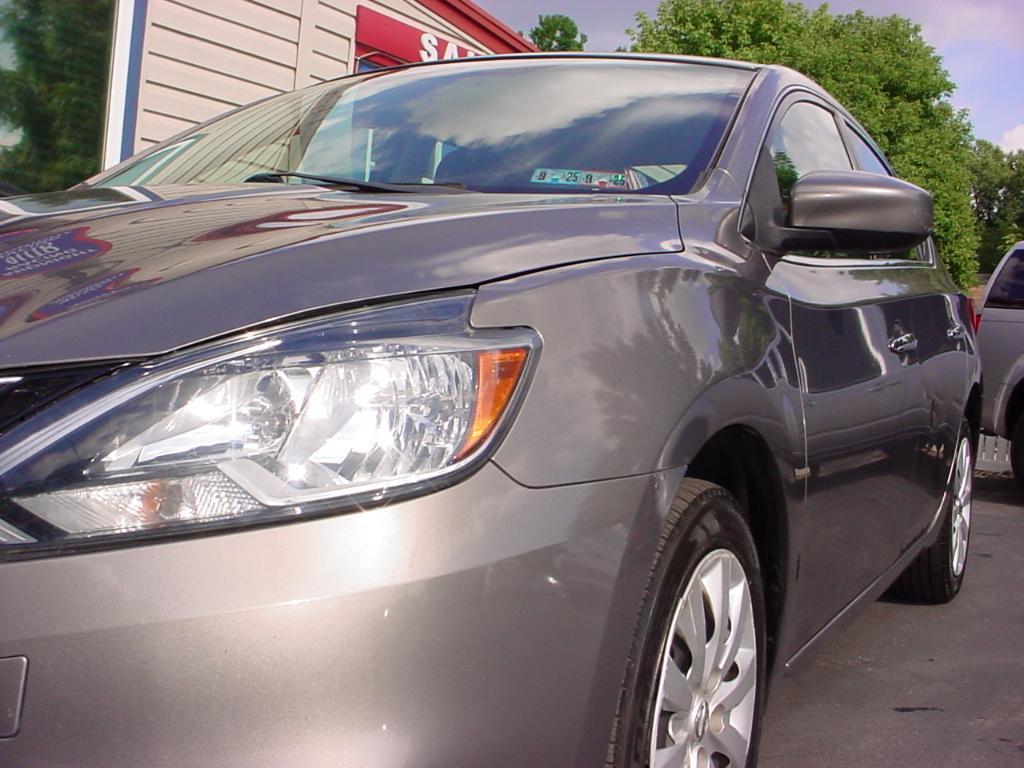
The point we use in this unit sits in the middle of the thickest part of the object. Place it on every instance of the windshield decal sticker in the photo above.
(49, 252)
(579, 178)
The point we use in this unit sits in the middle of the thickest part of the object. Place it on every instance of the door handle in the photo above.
(956, 333)
(903, 344)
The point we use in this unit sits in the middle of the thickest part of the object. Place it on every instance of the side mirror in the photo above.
(857, 211)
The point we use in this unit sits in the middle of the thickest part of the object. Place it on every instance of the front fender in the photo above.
(644, 358)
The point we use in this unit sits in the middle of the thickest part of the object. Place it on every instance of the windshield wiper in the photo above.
(277, 177)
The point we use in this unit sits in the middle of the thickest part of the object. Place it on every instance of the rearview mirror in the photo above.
(857, 211)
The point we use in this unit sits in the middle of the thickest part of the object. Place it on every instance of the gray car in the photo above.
(1001, 346)
(521, 411)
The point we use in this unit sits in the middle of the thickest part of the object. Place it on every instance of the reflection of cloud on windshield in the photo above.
(625, 124)
(487, 107)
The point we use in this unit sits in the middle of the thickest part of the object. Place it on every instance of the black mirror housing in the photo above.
(857, 211)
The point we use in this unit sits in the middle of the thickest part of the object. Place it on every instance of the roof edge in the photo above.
(481, 25)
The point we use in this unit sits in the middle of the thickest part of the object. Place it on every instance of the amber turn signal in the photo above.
(498, 373)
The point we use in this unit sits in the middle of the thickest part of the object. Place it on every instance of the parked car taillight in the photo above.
(975, 314)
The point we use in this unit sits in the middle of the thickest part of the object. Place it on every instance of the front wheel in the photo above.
(938, 572)
(693, 694)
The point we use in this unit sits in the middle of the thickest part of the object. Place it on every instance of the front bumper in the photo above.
(486, 624)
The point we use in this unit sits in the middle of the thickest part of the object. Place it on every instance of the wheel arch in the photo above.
(1014, 407)
(972, 412)
(739, 459)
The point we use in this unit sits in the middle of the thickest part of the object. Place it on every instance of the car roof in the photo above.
(784, 72)
(784, 77)
(578, 55)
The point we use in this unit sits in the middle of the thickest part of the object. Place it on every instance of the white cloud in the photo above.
(6, 51)
(948, 22)
(8, 137)
(976, 21)
(944, 22)
(1013, 139)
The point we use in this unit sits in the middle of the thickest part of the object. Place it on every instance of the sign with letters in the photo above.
(384, 40)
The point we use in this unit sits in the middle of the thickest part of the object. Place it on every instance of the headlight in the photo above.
(307, 417)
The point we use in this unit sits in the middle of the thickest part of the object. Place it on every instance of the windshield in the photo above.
(1007, 291)
(492, 126)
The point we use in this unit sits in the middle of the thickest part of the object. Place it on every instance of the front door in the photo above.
(866, 423)
(940, 327)
(865, 420)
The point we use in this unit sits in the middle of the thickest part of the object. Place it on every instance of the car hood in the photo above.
(134, 272)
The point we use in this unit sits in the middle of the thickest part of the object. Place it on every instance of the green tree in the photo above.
(786, 172)
(557, 32)
(1011, 237)
(54, 95)
(880, 68)
(997, 191)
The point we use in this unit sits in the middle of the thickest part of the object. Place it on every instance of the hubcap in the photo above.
(707, 680)
(960, 529)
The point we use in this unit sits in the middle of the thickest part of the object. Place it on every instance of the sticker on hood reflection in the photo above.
(49, 252)
(101, 288)
(10, 304)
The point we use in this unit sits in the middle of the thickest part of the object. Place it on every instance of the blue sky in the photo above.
(981, 43)
(6, 55)
(6, 59)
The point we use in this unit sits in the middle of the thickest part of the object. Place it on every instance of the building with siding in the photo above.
(177, 63)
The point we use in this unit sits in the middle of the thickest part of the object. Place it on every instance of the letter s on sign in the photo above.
(428, 47)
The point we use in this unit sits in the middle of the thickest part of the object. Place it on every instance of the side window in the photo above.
(807, 139)
(864, 155)
(1007, 290)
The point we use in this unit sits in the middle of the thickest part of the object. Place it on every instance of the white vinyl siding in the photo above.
(204, 57)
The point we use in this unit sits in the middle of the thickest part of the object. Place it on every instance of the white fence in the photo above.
(993, 454)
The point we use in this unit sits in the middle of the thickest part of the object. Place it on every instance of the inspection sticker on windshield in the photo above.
(579, 178)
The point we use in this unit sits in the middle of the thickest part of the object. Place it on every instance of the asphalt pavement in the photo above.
(921, 686)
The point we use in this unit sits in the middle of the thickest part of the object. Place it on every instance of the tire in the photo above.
(937, 573)
(705, 544)
(1017, 451)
